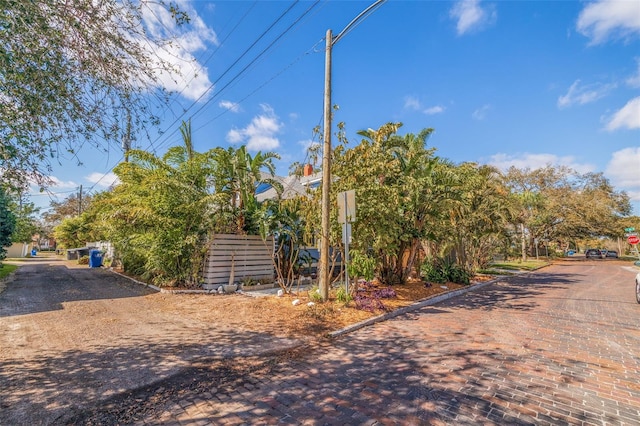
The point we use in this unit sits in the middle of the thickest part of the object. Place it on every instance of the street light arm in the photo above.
(356, 20)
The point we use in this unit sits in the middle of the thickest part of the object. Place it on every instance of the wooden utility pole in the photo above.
(323, 262)
(80, 201)
(326, 174)
(126, 140)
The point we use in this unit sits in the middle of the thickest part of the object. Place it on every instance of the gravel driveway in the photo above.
(73, 336)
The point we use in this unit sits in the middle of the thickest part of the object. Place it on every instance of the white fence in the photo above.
(242, 256)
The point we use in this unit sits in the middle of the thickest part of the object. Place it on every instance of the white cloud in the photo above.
(481, 113)
(627, 117)
(624, 168)
(231, 106)
(471, 16)
(609, 19)
(260, 134)
(62, 184)
(414, 104)
(437, 109)
(584, 94)
(624, 171)
(411, 102)
(634, 80)
(536, 161)
(190, 77)
(101, 179)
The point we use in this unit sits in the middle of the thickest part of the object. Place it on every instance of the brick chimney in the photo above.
(307, 170)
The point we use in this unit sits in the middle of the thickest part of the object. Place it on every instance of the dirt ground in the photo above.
(73, 337)
(279, 314)
(302, 320)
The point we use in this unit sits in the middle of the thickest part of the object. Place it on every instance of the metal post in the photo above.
(326, 174)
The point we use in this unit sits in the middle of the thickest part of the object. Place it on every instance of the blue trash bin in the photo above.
(95, 258)
(33, 252)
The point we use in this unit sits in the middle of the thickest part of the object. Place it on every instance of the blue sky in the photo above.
(524, 83)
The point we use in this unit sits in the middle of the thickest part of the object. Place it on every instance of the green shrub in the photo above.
(361, 265)
(443, 270)
(342, 295)
(314, 294)
(84, 260)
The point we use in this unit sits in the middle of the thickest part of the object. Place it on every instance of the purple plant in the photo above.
(384, 293)
(371, 302)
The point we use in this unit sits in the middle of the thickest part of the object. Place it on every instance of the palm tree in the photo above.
(239, 174)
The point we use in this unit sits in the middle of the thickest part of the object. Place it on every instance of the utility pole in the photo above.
(323, 262)
(80, 201)
(126, 140)
(326, 175)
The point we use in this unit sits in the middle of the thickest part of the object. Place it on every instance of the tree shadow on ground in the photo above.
(43, 288)
(408, 371)
(515, 292)
(47, 388)
(367, 381)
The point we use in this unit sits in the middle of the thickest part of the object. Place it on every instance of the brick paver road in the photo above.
(560, 346)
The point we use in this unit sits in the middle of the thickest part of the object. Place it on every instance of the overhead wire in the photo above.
(238, 75)
(213, 53)
(151, 144)
(273, 24)
(258, 57)
(276, 75)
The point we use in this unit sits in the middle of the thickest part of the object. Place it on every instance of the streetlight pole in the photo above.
(323, 262)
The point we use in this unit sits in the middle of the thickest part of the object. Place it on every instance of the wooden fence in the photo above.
(241, 255)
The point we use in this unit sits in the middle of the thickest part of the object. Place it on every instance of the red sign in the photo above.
(633, 239)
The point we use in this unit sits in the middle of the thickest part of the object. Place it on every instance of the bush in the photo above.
(443, 270)
(314, 294)
(84, 260)
(342, 296)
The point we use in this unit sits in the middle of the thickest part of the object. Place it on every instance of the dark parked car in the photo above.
(611, 253)
(593, 254)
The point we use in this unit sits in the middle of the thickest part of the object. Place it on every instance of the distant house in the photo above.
(293, 185)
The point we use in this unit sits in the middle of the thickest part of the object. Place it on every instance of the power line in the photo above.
(266, 49)
(282, 15)
(213, 53)
(312, 49)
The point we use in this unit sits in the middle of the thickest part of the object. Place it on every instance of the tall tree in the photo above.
(400, 187)
(71, 73)
(478, 218)
(558, 203)
(159, 216)
(71, 206)
(7, 223)
(239, 174)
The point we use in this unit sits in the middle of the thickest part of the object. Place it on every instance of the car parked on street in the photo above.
(593, 254)
(611, 253)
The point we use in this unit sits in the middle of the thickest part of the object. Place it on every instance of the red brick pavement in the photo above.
(560, 346)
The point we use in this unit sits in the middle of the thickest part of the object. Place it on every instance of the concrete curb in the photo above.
(432, 300)
(158, 289)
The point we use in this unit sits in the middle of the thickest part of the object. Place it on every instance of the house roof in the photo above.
(293, 186)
